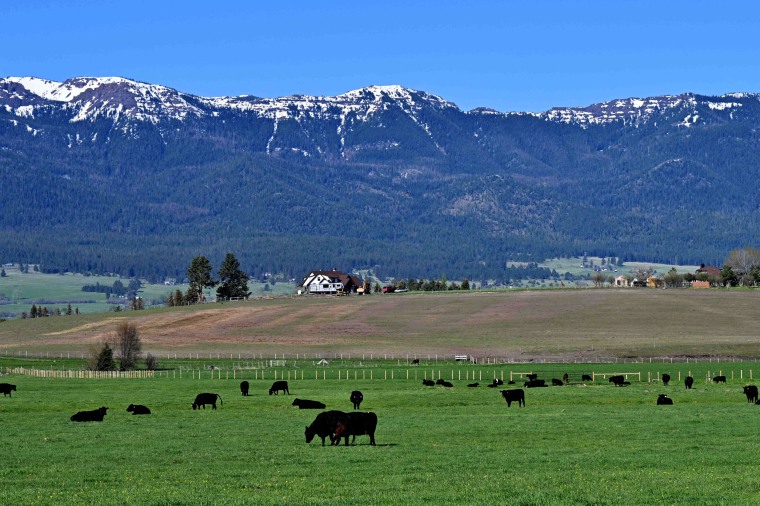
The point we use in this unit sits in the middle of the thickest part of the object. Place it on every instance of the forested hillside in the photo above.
(131, 178)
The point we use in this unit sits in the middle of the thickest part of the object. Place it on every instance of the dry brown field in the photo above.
(549, 324)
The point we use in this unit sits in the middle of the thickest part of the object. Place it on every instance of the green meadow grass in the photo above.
(579, 444)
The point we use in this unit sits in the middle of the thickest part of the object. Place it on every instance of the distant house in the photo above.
(330, 283)
(710, 270)
(170, 282)
(621, 281)
(700, 284)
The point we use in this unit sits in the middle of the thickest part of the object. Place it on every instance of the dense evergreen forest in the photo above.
(440, 192)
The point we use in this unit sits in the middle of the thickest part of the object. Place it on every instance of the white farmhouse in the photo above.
(330, 282)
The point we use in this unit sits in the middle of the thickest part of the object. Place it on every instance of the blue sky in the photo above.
(510, 56)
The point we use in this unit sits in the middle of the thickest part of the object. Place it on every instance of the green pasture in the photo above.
(586, 443)
(573, 266)
(25, 289)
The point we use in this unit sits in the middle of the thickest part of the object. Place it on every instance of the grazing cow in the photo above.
(557, 382)
(688, 381)
(416, 361)
(324, 425)
(664, 400)
(138, 409)
(307, 404)
(618, 380)
(535, 383)
(279, 385)
(244, 386)
(428, 383)
(96, 415)
(356, 398)
(532, 377)
(517, 395)
(7, 388)
(356, 424)
(665, 379)
(206, 398)
(751, 392)
(587, 377)
(719, 379)
(474, 385)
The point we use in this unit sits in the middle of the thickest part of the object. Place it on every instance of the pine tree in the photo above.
(234, 282)
(105, 360)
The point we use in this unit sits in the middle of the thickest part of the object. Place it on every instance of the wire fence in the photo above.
(368, 374)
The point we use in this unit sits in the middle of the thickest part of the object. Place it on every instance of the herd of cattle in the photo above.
(339, 425)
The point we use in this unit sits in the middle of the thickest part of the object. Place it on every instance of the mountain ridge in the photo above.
(108, 174)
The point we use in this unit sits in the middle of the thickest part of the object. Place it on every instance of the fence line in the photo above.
(414, 374)
(281, 359)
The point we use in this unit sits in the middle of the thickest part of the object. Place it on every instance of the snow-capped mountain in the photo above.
(158, 174)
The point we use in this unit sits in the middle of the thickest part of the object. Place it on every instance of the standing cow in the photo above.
(7, 388)
(618, 380)
(356, 398)
(688, 382)
(356, 424)
(278, 386)
(751, 392)
(244, 386)
(517, 395)
(206, 398)
(665, 379)
(324, 425)
(719, 379)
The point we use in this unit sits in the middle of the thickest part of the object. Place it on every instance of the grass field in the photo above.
(586, 443)
(56, 291)
(578, 444)
(558, 325)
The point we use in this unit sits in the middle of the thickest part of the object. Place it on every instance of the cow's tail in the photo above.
(221, 402)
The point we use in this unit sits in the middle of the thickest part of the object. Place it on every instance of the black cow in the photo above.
(586, 377)
(244, 386)
(535, 383)
(279, 385)
(751, 392)
(324, 425)
(416, 361)
(618, 380)
(664, 400)
(138, 409)
(307, 404)
(473, 385)
(206, 398)
(557, 382)
(688, 381)
(511, 382)
(96, 415)
(428, 383)
(719, 379)
(445, 383)
(532, 377)
(356, 424)
(566, 378)
(7, 388)
(356, 398)
(665, 379)
(517, 395)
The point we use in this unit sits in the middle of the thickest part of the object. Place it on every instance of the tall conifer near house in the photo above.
(233, 281)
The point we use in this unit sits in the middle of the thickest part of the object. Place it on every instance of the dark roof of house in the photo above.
(710, 270)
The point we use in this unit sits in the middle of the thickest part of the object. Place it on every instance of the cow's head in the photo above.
(309, 433)
(195, 406)
(131, 407)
